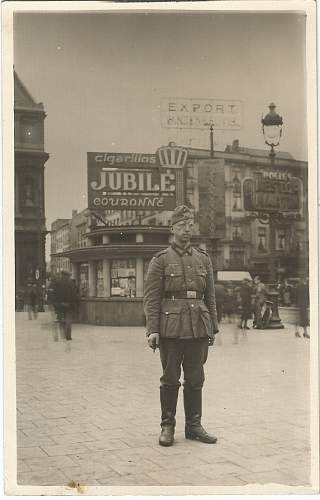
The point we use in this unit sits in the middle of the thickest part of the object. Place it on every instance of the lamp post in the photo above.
(272, 131)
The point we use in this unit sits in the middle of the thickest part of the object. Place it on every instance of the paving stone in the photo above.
(46, 478)
(138, 466)
(220, 469)
(35, 440)
(45, 462)
(66, 449)
(31, 452)
(107, 444)
(82, 437)
(168, 477)
(274, 476)
(131, 480)
(136, 453)
(22, 466)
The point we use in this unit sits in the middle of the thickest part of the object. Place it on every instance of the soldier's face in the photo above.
(183, 230)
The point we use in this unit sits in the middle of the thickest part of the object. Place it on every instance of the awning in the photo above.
(233, 275)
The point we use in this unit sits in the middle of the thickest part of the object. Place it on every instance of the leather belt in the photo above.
(187, 294)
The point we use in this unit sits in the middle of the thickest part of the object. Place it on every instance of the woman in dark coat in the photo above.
(303, 305)
(245, 292)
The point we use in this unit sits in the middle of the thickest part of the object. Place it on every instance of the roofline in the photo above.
(244, 157)
(39, 105)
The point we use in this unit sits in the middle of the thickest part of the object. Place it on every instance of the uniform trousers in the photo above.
(191, 354)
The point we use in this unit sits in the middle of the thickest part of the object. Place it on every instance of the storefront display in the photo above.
(123, 278)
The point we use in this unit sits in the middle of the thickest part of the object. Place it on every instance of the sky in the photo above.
(102, 76)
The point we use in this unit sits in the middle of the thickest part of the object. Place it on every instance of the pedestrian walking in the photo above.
(230, 303)
(32, 300)
(279, 288)
(64, 295)
(181, 319)
(259, 302)
(303, 305)
(246, 308)
(220, 293)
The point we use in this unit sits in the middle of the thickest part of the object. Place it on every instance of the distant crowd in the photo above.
(236, 302)
(249, 301)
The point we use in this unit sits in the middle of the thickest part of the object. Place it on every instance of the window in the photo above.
(84, 281)
(99, 278)
(236, 257)
(123, 277)
(298, 240)
(236, 191)
(281, 239)
(262, 236)
(28, 192)
(236, 231)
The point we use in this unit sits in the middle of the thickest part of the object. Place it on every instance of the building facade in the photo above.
(110, 251)
(29, 164)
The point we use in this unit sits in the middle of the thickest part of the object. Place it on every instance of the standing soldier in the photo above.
(180, 309)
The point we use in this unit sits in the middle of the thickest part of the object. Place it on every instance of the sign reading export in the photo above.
(272, 191)
(129, 181)
(201, 113)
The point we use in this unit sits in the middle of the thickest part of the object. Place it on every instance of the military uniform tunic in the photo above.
(179, 296)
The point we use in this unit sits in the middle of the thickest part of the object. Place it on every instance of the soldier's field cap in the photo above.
(181, 213)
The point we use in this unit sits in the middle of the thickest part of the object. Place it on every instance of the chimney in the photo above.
(74, 213)
(235, 145)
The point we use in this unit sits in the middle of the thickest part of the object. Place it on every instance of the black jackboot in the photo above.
(193, 412)
(168, 399)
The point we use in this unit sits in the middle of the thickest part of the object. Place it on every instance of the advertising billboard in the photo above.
(272, 191)
(130, 181)
(187, 113)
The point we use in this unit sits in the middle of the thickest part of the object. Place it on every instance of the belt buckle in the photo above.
(191, 294)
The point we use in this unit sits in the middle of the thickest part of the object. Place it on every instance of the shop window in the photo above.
(84, 280)
(123, 278)
(281, 239)
(262, 237)
(99, 278)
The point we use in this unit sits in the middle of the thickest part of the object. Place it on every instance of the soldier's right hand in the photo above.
(153, 340)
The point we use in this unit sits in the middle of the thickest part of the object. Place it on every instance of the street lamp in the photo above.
(272, 129)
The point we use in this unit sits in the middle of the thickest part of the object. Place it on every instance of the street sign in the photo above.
(272, 191)
(187, 113)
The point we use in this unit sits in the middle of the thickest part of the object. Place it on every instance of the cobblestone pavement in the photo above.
(91, 414)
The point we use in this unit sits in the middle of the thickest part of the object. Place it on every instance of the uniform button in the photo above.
(192, 305)
(167, 312)
(171, 274)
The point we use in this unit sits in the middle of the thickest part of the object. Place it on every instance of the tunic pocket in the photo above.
(206, 319)
(170, 324)
(201, 274)
(173, 277)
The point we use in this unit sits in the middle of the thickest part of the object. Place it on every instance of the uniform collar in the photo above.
(181, 251)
